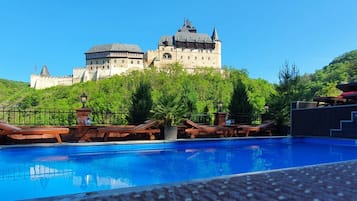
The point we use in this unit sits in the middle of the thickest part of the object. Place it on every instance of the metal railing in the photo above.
(56, 117)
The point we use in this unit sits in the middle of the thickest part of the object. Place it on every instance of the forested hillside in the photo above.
(323, 82)
(12, 90)
(202, 91)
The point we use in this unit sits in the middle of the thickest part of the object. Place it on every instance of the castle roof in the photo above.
(192, 37)
(215, 35)
(44, 71)
(115, 48)
(188, 33)
(188, 27)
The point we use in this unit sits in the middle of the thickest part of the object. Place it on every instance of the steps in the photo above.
(348, 128)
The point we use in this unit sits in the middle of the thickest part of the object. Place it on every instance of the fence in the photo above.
(56, 117)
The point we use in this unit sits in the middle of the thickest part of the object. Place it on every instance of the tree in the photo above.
(141, 104)
(239, 104)
(287, 91)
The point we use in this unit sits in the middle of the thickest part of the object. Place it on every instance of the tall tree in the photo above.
(239, 104)
(141, 104)
(288, 90)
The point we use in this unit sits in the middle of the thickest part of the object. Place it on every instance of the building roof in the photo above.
(188, 27)
(215, 35)
(44, 71)
(192, 37)
(115, 48)
(166, 40)
(188, 33)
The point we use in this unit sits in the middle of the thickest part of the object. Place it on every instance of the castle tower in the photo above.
(218, 45)
(45, 72)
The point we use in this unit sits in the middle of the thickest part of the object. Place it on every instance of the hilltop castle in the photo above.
(187, 47)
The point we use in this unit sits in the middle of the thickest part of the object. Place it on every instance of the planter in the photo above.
(170, 132)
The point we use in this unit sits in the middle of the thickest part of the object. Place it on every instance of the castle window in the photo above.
(208, 58)
(123, 61)
(91, 62)
(188, 57)
(166, 56)
(138, 62)
(131, 61)
(108, 67)
(115, 60)
(96, 62)
(195, 58)
(203, 58)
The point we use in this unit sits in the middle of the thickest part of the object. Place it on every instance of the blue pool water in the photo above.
(33, 172)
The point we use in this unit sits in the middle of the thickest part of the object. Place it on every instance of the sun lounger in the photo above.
(197, 129)
(149, 127)
(18, 133)
(248, 129)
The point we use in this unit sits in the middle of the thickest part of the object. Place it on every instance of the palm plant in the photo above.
(169, 110)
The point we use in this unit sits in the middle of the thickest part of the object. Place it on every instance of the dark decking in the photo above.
(336, 181)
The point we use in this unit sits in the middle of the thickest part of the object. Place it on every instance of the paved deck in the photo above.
(336, 181)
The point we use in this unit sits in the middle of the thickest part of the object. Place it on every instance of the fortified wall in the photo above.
(186, 46)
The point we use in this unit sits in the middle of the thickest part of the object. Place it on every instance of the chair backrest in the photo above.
(8, 128)
(193, 124)
(145, 125)
(266, 125)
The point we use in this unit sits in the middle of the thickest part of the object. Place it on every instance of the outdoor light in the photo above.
(266, 107)
(219, 106)
(83, 100)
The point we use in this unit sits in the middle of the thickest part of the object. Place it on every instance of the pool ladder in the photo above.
(348, 128)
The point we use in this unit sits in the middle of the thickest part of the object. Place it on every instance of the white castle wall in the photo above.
(41, 82)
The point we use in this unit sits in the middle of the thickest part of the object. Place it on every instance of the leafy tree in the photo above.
(141, 104)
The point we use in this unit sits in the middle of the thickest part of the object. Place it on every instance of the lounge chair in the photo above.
(149, 127)
(248, 129)
(197, 129)
(18, 133)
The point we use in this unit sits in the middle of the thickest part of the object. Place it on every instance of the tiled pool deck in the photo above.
(335, 181)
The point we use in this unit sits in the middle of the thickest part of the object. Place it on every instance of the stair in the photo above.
(348, 128)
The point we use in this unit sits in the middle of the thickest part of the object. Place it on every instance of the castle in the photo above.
(187, 47)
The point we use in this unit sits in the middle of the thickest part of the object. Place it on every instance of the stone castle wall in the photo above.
(41, 82)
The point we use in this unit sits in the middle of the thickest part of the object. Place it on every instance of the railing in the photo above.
(56, 117)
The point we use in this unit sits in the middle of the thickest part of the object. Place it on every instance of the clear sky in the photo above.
(257, 35)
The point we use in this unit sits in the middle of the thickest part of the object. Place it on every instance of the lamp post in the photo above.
(84, 99)
(219, 106)
(83, 113)
(220, 116)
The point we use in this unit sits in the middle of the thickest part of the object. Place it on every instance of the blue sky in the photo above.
(256, 35)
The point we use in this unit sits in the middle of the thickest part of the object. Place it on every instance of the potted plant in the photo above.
(169, 112)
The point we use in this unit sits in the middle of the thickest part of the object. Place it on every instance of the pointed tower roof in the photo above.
(187, 27)
(215, 35)
(44, 71)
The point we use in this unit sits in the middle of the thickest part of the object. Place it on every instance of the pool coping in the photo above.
(330, 181)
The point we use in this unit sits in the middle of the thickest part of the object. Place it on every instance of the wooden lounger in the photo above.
(198, 129)
(248, 129)
(120, 131)
(32, 133)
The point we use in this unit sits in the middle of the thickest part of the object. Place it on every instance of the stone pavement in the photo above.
(335, 181)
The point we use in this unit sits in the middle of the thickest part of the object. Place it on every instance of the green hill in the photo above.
(11, 90)
(323, 82)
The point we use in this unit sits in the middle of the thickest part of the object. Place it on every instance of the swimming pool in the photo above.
(40, 171)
